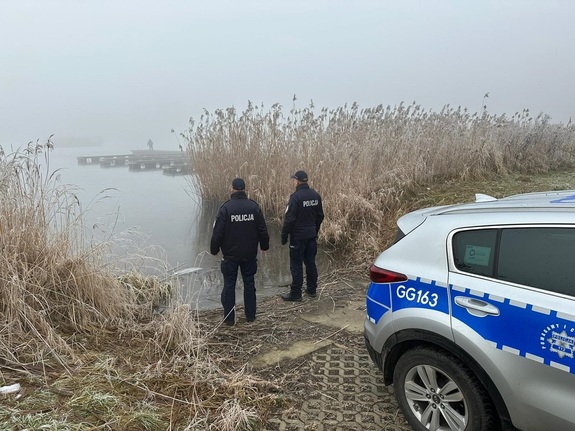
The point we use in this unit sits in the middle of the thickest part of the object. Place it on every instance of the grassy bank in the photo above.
(86, 345)
(366, 163)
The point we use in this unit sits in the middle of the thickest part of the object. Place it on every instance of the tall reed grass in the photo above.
(48, 284)
(60, 302)
(363, 161)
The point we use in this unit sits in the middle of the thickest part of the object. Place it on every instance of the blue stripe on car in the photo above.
(526, 330)
(543, 335)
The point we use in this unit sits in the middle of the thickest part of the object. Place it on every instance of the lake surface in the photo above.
(159, 226)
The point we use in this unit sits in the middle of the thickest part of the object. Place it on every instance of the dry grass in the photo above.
(88, 347)
(46, 281)
(366, 162)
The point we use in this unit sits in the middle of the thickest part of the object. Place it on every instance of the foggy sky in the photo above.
(131, 70)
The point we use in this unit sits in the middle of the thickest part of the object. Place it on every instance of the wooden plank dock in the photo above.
(174, 162)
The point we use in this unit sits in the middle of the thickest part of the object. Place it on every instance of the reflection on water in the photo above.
(157, 225)
(202, 288)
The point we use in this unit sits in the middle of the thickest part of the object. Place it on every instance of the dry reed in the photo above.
(46, 280)
(364, 161)
(89, 339)
(59, 301)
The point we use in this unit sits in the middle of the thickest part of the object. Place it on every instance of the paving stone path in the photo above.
(315, 351)
(350, 395)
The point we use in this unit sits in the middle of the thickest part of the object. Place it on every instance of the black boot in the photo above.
(311, 293)
(291, 297)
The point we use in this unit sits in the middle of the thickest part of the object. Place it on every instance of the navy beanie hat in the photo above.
(238, 184)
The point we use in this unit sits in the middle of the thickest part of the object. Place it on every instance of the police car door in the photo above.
(513, 309)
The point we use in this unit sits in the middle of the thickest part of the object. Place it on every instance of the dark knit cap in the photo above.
(238, 184)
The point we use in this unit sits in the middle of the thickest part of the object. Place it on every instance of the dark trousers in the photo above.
(230, 271)
(303, 252)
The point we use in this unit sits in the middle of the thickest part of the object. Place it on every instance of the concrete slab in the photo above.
(351, 315)
(300, 348)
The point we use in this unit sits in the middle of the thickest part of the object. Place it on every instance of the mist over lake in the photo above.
(159, 226)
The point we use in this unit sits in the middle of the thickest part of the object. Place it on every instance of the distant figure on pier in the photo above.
(150, 145)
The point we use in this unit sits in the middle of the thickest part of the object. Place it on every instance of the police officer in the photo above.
(302, 221)
(239, 227)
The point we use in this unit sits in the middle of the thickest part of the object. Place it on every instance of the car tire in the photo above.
(437, 392)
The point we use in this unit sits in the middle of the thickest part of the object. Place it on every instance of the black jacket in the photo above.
(239, 227)
(304, 215)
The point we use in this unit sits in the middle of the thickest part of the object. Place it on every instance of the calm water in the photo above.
(159, 226)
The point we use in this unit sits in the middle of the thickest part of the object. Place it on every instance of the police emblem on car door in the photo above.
(512, 296)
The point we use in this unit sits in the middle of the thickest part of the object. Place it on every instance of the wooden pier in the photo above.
(170, 162)
(184, 169)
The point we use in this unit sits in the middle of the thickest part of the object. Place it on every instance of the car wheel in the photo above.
(437, 392)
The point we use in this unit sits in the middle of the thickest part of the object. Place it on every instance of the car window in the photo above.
(540, 257)
(474, 251)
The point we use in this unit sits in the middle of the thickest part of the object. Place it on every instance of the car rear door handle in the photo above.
(477, 307)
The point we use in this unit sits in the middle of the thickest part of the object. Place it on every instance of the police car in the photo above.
(471, 314)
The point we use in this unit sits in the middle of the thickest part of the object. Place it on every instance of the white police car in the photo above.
(471, 314)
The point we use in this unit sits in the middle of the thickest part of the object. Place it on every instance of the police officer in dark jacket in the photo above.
(239, 227)
(302, 221)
